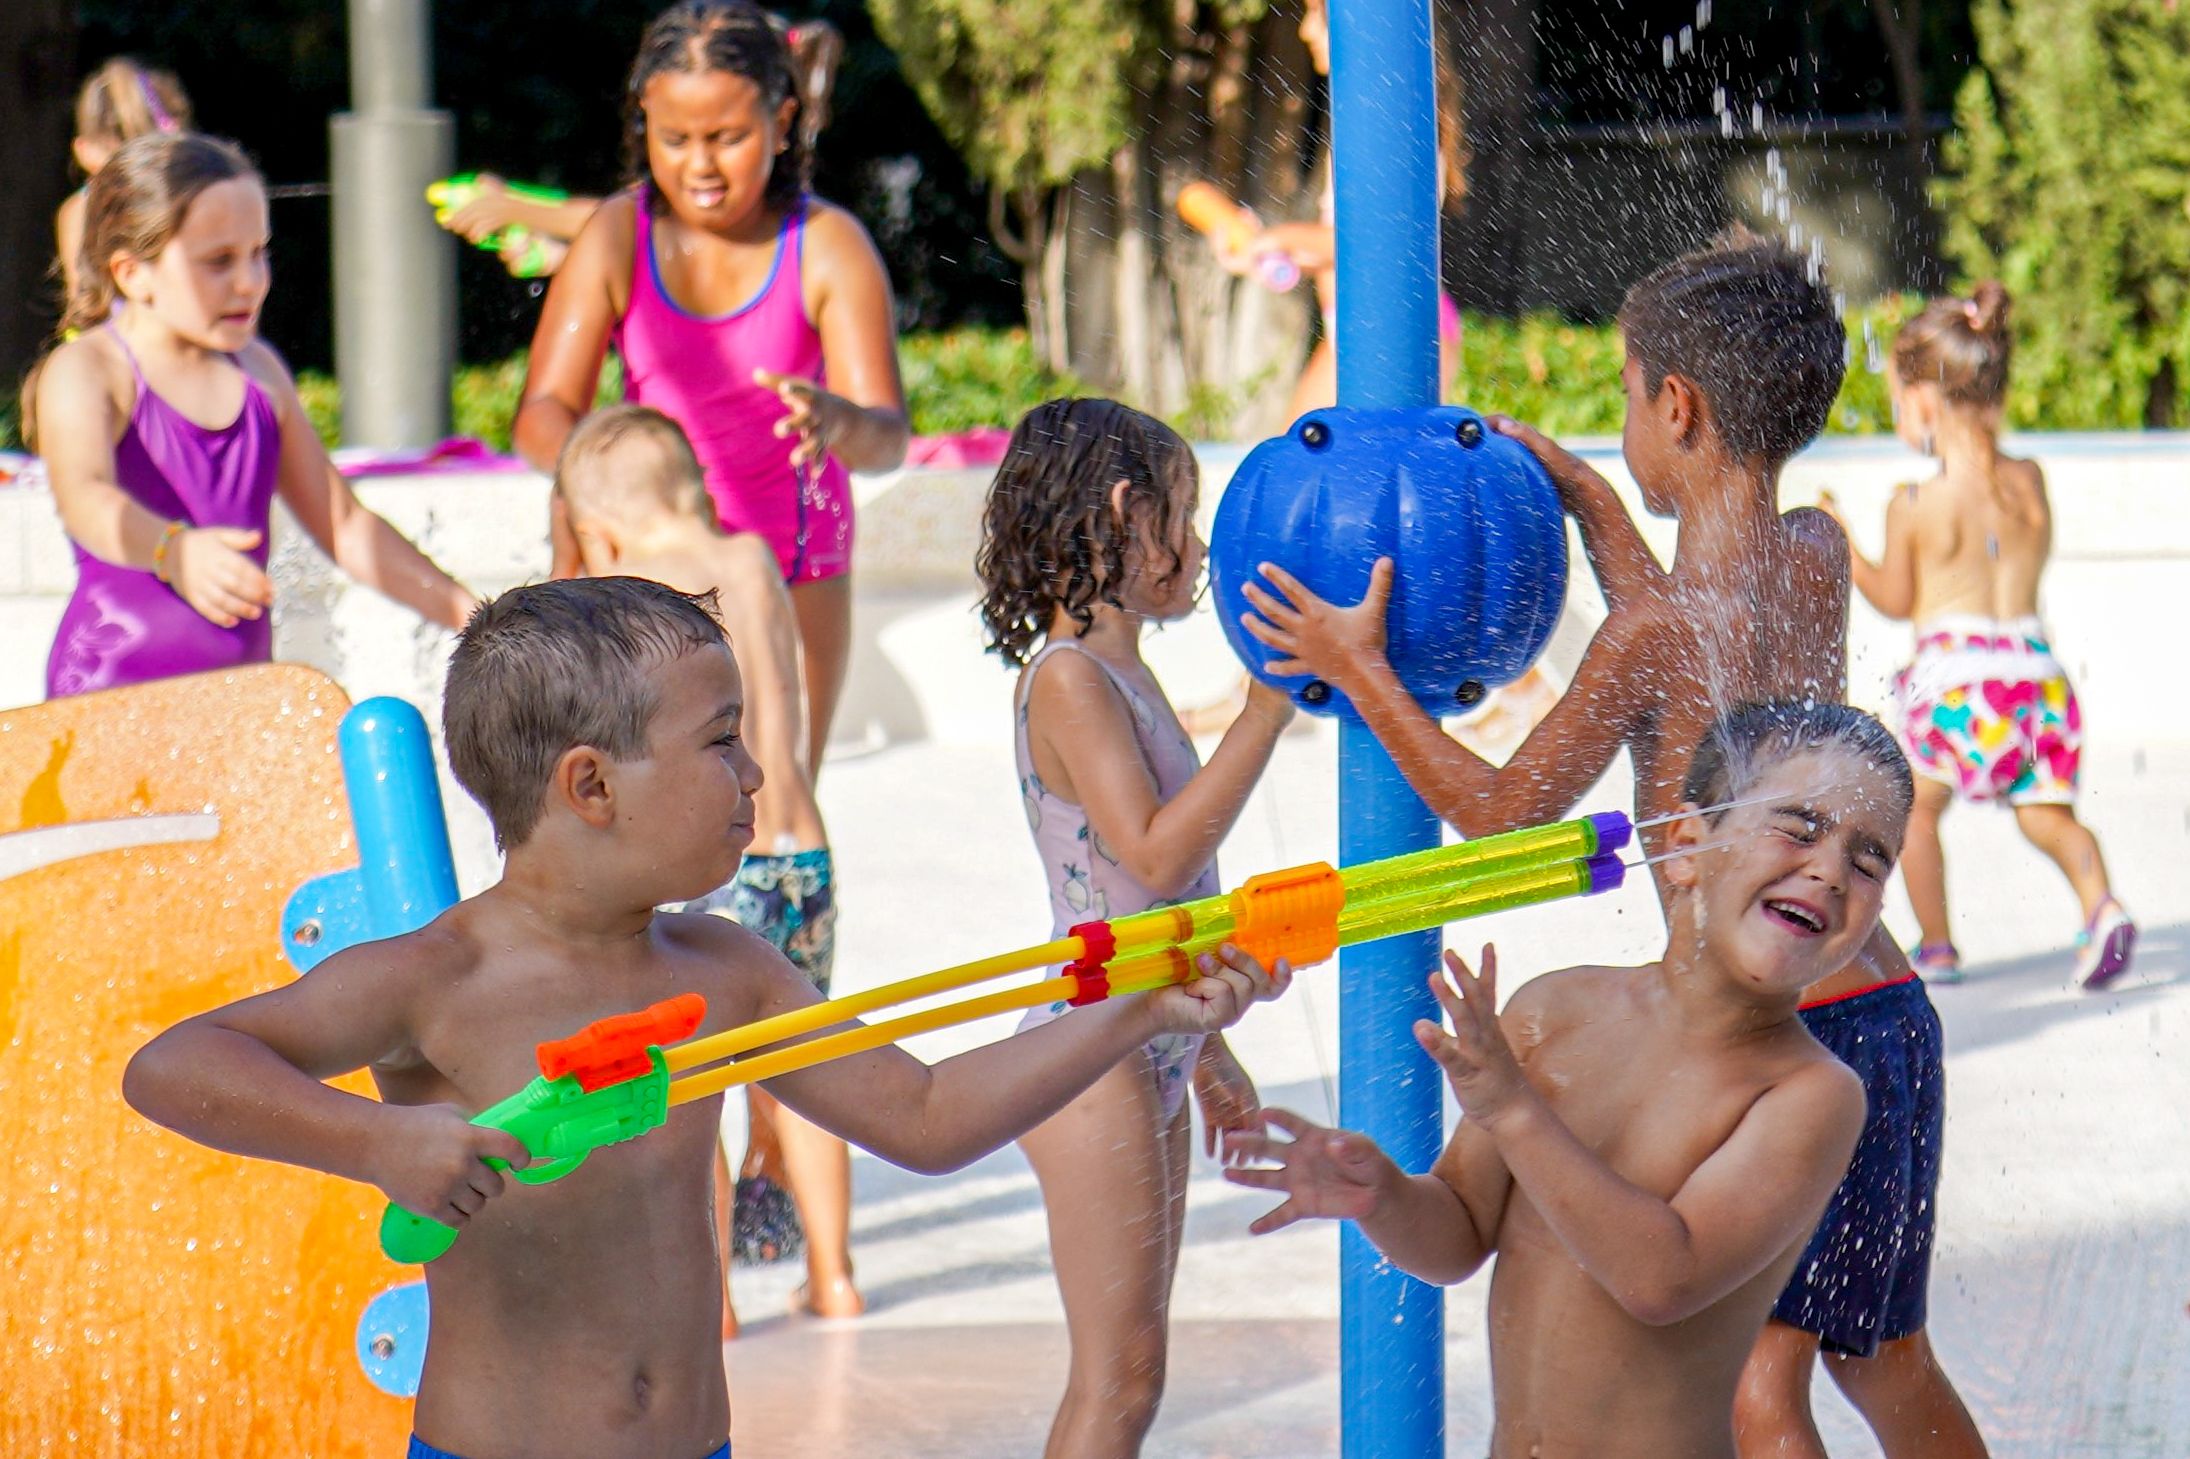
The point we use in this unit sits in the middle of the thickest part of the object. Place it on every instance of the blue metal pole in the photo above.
(1384, 151)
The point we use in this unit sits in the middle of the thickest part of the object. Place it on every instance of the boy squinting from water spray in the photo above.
(1647, 1149)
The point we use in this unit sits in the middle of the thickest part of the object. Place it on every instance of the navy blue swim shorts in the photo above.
(1862, 1280)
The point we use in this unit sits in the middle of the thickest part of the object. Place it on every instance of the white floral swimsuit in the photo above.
(1086, 883)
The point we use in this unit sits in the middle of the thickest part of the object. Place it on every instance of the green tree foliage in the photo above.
(2071, 167)
(1029, 91)
(1032, 92)
(1084, 120)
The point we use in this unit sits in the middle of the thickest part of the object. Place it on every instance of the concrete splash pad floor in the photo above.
(2058, 1298)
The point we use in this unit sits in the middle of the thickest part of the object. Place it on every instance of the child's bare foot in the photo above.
(1495, 729)
(835, 1298)
(1205, 721)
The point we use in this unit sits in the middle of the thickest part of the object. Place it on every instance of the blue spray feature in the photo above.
(404, 878)
(1384, 149)
(1469, 518)
(405, 875)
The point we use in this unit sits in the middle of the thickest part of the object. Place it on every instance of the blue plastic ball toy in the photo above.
(1469, 518)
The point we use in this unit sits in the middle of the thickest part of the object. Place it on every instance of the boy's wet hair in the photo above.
(544, 668)
(1744, 743)
(1749, 325)
(597, 472)
(1050, 538)
(1960, 345)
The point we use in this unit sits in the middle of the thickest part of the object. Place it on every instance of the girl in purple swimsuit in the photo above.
(168, 427)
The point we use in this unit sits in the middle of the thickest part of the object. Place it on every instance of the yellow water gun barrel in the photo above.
(1205, 924)
(1408, 908)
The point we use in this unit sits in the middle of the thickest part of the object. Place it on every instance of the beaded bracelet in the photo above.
(159, 549)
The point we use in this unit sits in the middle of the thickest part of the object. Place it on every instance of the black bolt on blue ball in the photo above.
(1473, 527)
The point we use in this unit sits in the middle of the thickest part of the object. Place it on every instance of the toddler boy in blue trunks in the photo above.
(1858, 1295)
(637, 503)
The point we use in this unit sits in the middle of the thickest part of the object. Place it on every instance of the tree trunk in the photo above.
(37, 71)
(1132, 274)
(1129, 300)
(1494, 45)
(1900, 22)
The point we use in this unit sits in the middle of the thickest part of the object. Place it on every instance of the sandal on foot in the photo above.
(1936, 962)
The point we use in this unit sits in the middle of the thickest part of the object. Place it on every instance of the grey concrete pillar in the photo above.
(395, 270)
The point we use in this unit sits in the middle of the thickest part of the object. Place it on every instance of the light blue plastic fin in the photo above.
(405, 876)
(391, 1339)
(324, 916)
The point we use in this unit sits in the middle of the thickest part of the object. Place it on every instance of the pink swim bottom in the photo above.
(810, 533)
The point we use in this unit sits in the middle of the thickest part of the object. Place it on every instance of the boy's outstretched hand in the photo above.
(432, 1160)
(1568, 472)
(1316, 638)
(1326, 1174)
(1227, 982)
(1486, 1079)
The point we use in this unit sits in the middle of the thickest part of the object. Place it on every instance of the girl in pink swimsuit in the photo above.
(168, 428)
(754, 315)
(1089, 535)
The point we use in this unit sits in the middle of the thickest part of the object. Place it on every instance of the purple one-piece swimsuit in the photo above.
(125, 626)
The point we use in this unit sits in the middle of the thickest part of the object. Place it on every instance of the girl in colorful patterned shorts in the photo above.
(1985, 710)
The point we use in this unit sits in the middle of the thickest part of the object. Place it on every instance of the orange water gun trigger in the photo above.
(615, 1048)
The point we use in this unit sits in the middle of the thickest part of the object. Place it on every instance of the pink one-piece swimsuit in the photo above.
(698, 370)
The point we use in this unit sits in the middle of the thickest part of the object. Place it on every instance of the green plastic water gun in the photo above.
(526, 251)
(603, 1084)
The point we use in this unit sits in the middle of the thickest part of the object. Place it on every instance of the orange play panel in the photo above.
(161, 1298)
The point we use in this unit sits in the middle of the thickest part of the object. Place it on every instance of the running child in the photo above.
(1986, 712)
(1645, 1150)
(635, 499)
(119, 101)
(599, 721)
(168, 427)
(753, 314)
(1734, 356)
(1089, 536)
